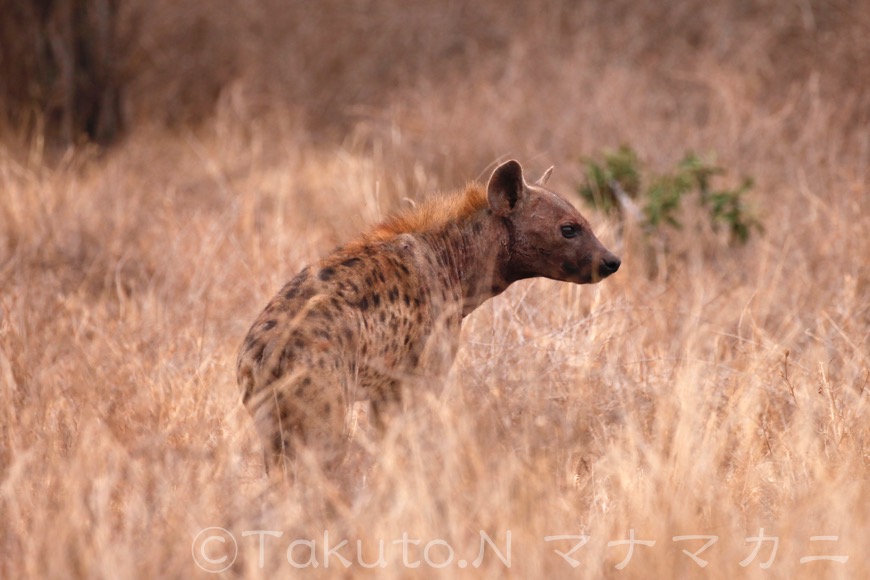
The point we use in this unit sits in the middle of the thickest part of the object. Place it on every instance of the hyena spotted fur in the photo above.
(386, 309)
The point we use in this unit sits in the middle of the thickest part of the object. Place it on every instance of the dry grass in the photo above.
(707, 391)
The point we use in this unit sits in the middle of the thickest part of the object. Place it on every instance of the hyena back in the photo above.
(387, 308)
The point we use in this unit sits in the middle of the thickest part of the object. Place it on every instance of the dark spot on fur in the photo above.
(404, 268)
(269, 324)
(376, 299)
(407, 300)
(394, 293)
(327, 407)
(326, 274)
(364, 304)
(321, 314)
(258, 352)
(287, 354)
(299, 342)
(476, 227)
(382, 316)
(293, 285)
(302, 387)
(348, 334)
(350, 262)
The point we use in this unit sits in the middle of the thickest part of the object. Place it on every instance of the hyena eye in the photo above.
(569, 231)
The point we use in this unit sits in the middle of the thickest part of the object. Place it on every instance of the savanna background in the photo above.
(165, 167)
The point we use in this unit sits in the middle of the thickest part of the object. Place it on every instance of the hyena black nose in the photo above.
(609, 265)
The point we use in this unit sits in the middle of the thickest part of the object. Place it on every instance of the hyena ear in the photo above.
(506, 187)
(545, 177)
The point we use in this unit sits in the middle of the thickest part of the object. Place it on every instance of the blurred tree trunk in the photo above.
(60, 68)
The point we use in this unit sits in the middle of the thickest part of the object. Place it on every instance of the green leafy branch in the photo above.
(616, 185)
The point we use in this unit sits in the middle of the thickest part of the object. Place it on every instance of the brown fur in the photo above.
(385, 310)
(430, 214)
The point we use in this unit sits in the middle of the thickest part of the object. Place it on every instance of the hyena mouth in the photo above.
(570, 268)
(574, 271)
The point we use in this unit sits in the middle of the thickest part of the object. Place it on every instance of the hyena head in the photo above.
(548, 236)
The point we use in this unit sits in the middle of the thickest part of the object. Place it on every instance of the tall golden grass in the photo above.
(705, 390)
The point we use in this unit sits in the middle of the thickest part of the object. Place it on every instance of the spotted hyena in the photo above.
(385, 309)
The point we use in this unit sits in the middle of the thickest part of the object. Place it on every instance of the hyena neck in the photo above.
(475, 252)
